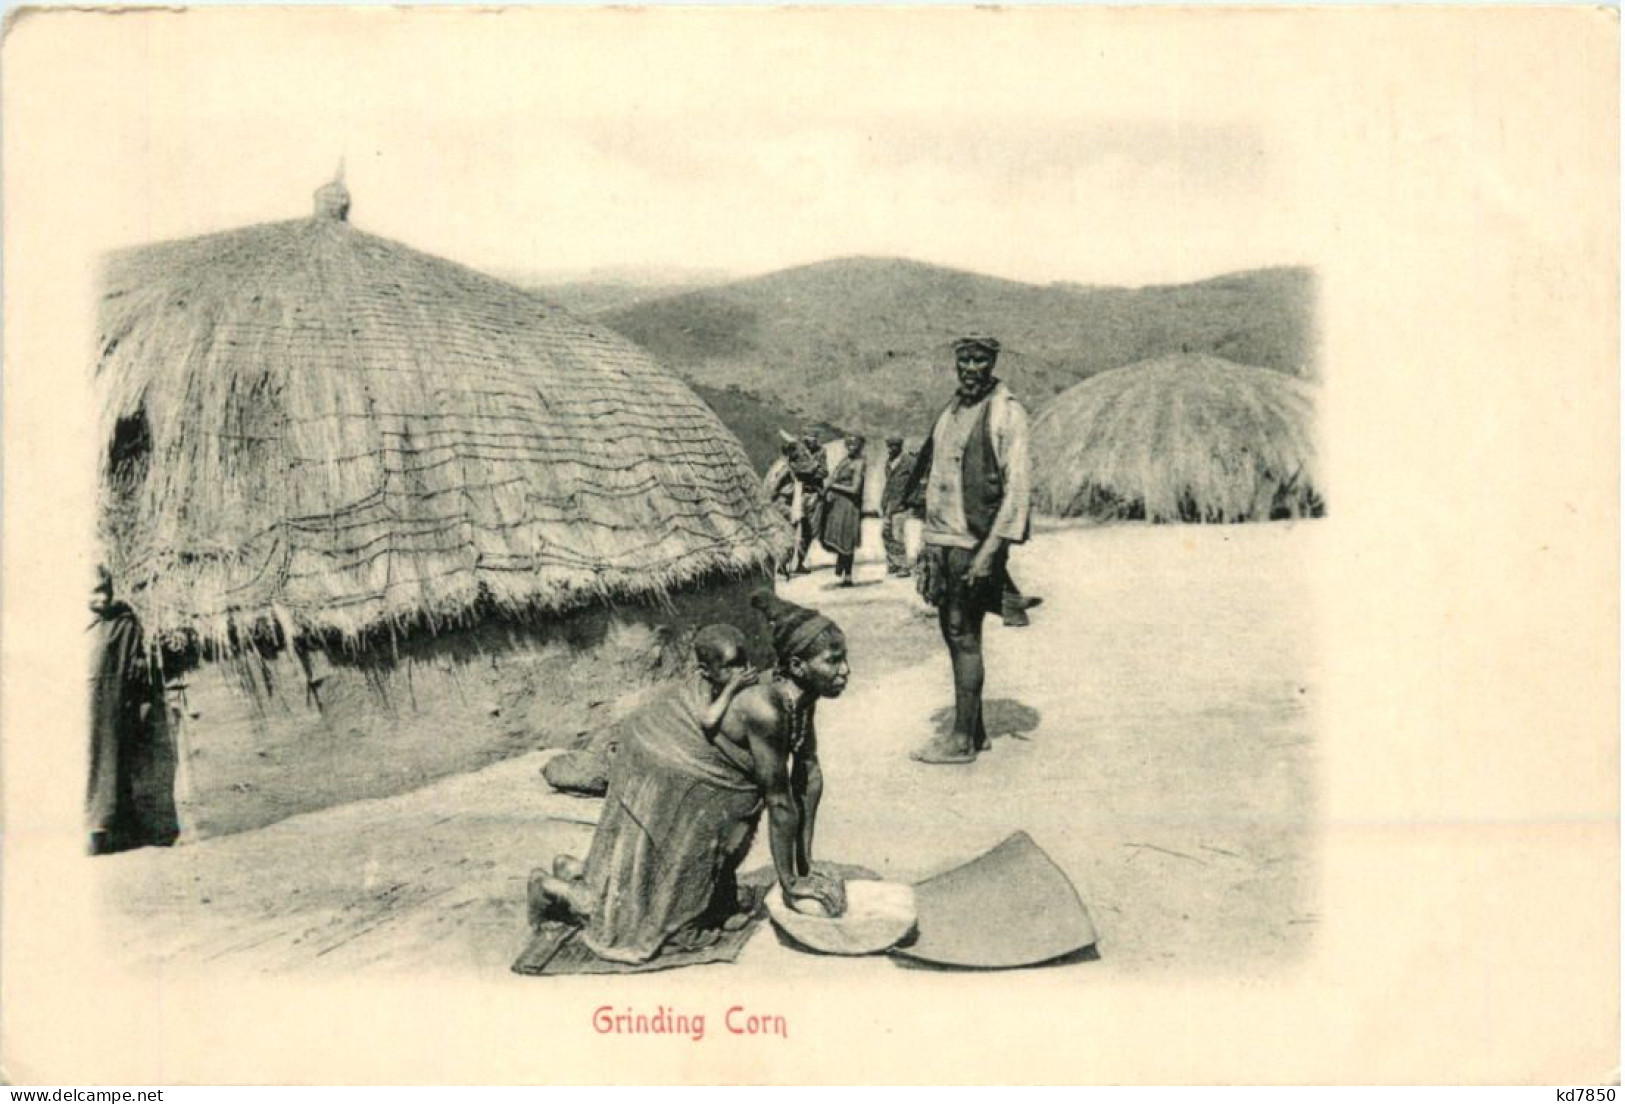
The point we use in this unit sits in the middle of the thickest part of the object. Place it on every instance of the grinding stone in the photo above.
(878, 915)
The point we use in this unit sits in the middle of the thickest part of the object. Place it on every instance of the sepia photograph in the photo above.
(750, 546)
(386, 537)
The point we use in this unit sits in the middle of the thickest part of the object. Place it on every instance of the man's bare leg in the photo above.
(962, 633)
(969, 679)
(1014, 604)
(892, 535)
(843, 567)
(803, 546)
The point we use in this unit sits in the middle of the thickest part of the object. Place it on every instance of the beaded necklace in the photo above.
(800, 720)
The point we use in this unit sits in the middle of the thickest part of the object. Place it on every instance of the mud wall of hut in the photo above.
(263, 741)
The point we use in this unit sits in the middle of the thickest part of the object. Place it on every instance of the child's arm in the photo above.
(711, 720)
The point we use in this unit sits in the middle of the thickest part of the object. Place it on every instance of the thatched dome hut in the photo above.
(325, 447)
(1181, 438)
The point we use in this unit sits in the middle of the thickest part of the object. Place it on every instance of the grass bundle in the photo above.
(1180, 438)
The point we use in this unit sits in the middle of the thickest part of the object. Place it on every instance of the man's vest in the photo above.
(981, 478)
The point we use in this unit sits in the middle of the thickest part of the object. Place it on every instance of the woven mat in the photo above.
(556, 950)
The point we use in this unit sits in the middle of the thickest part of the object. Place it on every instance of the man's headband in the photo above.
(986, 344)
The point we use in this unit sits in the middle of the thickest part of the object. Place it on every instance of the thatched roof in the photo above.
(1178, 438)
(314, 430)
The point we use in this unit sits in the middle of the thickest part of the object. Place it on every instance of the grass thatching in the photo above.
(311, 430)
(1185, 437)
(758, 422)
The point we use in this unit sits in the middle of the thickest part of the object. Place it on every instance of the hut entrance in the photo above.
(129, 459)
(130, 452)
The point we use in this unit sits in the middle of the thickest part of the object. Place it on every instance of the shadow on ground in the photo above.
(1002, 716)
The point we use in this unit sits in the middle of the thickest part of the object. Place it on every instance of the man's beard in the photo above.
(975, 388)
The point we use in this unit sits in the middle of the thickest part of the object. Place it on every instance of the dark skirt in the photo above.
(940, 577)
(677, 821)
(842, 525)
(131, 796)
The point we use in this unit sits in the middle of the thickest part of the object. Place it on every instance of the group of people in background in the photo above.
(821, 506)
(827, 507)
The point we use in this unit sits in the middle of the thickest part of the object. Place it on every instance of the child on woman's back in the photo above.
(725, 667)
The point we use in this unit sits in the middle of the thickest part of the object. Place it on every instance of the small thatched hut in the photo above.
(382, 517)
(1181, 438)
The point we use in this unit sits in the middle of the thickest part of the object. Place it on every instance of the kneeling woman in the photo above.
(682, 809)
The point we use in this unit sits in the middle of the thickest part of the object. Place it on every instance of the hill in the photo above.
(757, 421)
(864, 342)
(603, 289)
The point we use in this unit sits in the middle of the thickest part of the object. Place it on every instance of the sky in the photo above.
(727, 141)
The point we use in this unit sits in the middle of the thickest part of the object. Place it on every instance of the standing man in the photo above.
(893, 509)
(811, 470)
(975, 479)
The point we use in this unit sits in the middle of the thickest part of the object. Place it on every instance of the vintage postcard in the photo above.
(811, 545)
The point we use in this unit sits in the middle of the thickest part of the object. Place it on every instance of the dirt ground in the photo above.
(1152, 731)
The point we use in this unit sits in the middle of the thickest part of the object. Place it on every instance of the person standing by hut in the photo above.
(843, 511)
(899, 466)
(130, 801)
(974, 476)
